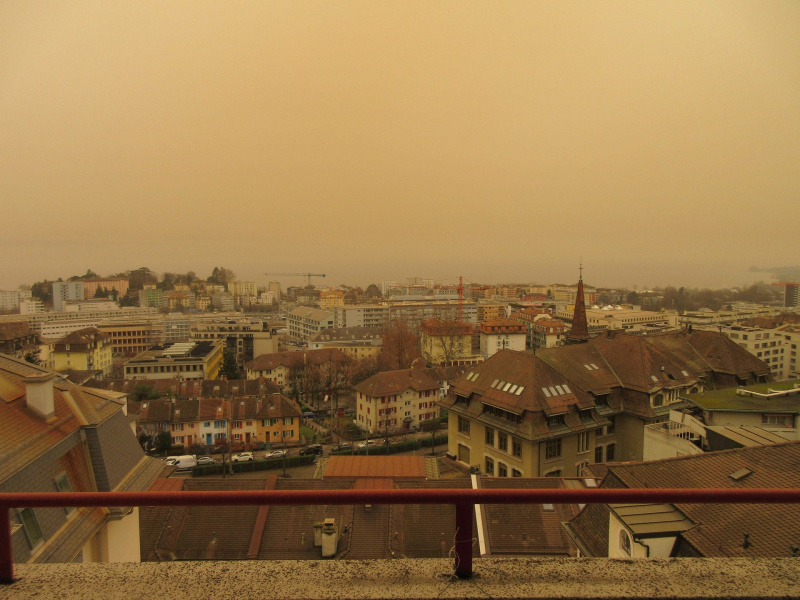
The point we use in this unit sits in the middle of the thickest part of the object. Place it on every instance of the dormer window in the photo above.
(658, 400)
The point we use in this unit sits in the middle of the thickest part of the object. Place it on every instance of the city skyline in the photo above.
(503, 142)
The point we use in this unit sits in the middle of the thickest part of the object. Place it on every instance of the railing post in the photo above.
(6, 552)
(463, 545)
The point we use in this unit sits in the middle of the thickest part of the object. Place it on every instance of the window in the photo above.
(516, 473)
(463, 425)
(489, 437)
(553, 473)
(598, 454)
(502, 470)
(490, 466)
(62, 485)
(516, 447)
(583, 442)
(781, 420)
(625, 542)
(610, 452)
(552, 449)
(658, 400)
(610, 428)
(579, 468)
(31, 526)
(288, 420)
(502, 441)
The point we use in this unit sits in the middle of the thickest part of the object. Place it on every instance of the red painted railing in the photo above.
(464, 501)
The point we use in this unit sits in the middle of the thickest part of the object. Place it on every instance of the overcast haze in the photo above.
(659, 141)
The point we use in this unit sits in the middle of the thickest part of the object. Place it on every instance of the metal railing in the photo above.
(464, 501)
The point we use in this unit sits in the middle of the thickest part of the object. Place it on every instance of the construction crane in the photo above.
(307, 275)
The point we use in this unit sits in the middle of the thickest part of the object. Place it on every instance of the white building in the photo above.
(501, 334)
(304, 322)
(29, 306)
(776, 347)
(66, 290)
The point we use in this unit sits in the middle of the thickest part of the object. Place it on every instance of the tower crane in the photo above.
(307, 275)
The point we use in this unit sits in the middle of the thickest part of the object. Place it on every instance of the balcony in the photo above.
(460, 577)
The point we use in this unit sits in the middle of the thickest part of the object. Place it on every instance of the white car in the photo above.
(367, 443)
(276, 454)
(242, 457)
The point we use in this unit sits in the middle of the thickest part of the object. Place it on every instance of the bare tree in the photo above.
(400, 347)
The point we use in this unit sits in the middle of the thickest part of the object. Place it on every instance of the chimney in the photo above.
(39, 394)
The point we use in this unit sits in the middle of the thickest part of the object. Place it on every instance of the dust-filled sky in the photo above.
(659, 142)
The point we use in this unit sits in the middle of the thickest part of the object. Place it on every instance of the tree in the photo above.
(446, 340)
(44, 291)
(221, 276)
(163, 441)
(167, 281)
(32, 357)
(230, 369)
(433, 426)
(142, 391)
(359, 370)
(373, 291)
(88, 275)
(400, 347)
(141, 276)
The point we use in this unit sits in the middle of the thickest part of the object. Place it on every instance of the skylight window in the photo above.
(594, 366)
(494, 383)
(513, 389)
(685, 374)
(506, 386)
(519, 390)
(654, 378)
(560, 390)
(588, 368)
(546, 393)
(553, 391)
(566, 389)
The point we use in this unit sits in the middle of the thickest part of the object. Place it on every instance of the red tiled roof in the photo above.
(395, 467)
(389, 383)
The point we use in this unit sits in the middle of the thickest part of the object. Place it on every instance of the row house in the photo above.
(562, 409)
(208, 421)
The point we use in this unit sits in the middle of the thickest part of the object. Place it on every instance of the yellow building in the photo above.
(188, 360)
(331, 299)
(445, 343)
(83, 350)
(356, 342)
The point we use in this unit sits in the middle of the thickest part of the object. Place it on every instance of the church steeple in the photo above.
(579, 333)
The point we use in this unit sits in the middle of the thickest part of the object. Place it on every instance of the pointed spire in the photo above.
(579, 333)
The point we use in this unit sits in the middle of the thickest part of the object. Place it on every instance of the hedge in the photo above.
(255, 465)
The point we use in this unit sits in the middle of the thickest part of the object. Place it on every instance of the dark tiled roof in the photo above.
(290, 360)
(12, 330)
(347, 334)
(193, 388)
(388, 383)
(720, 528)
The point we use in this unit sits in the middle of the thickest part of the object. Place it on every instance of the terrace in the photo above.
(407, 578)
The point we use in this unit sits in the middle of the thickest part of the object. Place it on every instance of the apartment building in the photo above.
(569, 293)
(10, 301)
(83, 350)
(278, 367)
(189, 360)
(777, 347)
(396, 400)
(128, 337)
(17, 339)
(66, 290)
(361, 315)
(556, 412)
(356, 342)
(547, 332)
(500, 334)
(304, 322)
(116, 284)
(248, 337)
(491, 311)
(330, 299)
(445, 343)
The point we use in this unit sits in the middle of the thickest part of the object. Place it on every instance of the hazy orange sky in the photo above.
(659, 141)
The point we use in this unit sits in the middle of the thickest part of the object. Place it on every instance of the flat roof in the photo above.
(748, 436)
(741, 400)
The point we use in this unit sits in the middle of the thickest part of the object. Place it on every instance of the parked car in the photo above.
(308, 415)
(183, 463)
(342, 446)
(206, 460)
(276, 454)
(365, 444)
(242, 457)
(312, 449)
